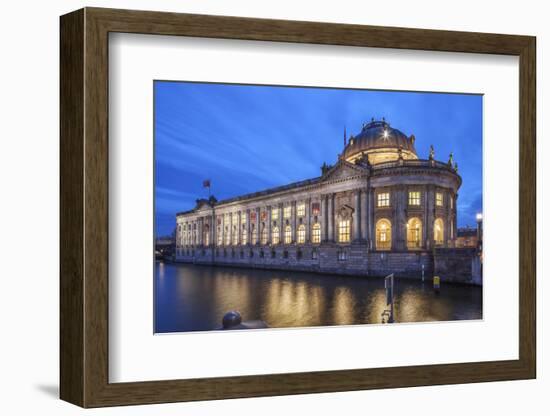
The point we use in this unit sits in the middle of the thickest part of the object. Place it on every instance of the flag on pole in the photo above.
(206, 183)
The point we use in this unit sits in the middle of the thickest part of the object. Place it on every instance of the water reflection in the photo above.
(194, 298)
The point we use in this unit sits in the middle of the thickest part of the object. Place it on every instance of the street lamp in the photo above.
(479, 217)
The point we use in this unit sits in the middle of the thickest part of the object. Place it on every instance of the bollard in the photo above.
(437, 284)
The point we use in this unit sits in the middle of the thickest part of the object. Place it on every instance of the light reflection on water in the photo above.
(195, 298)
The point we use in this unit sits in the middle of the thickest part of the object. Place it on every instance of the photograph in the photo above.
(297, 206)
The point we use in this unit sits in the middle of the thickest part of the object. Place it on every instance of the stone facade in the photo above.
(358, 217)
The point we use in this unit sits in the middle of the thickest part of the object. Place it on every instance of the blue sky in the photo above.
(248, 138)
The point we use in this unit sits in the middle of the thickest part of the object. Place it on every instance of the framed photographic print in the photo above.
(256, 207)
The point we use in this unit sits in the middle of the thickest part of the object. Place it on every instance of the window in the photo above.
(414, 232)
(243, 218)
(438, 199)
(254, 235)
(288, 234)
(264, 235)
(384, 199)
(314, 254)
(220, 236)
(207, 235)
(275, 214)
(234, 219)
(285, 254)
(342, 255)
(315, 208)
(301, 234)
(261, 254)
(273, 254)
(414, 198)
(299, 255)
(244, 236)
(301, 210)
(227, 236)
(316, 233)
(438, 231)
(275, 235)
(287, 211)
(383, 234)
(344, 231)
(235, 235)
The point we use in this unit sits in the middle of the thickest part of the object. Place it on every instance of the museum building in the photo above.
(379, 209)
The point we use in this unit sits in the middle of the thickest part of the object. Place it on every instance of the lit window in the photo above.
(220, 237)
(275, 214)
(234, 219)
(264, 235)
(414, 232)
(235, 235)
(275, 235)
(439, 199)
(301, 234)
(253, 232)
(343, 231)
(227, 236)
(206, 235)
(288, 234)
(287, 211)
(414, 198)
(383, 235)
(301, 210)
(438, 231)
(384, 199)
(316, 233)
(244, 235)
(243, 218)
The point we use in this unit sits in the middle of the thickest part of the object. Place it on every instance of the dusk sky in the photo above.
(249, 138)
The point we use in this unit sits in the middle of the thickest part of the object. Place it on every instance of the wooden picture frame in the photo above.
(84, 207)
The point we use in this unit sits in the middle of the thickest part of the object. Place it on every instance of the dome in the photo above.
(381, 143)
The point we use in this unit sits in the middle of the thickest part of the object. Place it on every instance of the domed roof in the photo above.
(379, 137)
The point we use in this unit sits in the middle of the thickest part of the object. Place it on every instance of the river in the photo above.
(195, 298)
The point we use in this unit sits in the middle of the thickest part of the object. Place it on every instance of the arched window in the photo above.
(344, 231)
(414, 233)
(383, 234)
(288, 234)
(275, 235)
(301, 234)
(316, 233)
(263, 237)
(206, 233)
(439, 231)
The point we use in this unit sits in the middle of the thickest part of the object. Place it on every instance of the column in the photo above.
(230, 228)
(364, 215)
(324, 218)
(307, 220)
(213, 231)
(430, 218)
(293, 221)
(239, 233)
(257, 226)
(357, 216)
(331, 217)
(199, 231)
(268, 224)
(370, 220)
(400, 230)
(425, 204)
